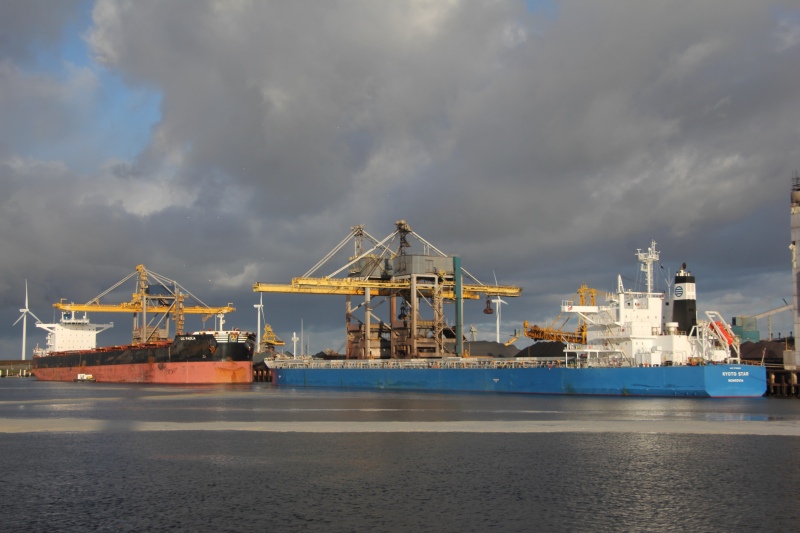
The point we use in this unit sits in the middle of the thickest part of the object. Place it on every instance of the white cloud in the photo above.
(514, 35)
(692, 58)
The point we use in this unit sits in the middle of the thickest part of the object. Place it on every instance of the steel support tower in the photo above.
(791, 358)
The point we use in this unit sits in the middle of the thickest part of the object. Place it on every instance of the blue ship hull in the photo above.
(708, 381)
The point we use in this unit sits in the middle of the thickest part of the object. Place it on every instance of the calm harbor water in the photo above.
(102, 457)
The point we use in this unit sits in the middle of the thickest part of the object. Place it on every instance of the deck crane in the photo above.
(555, 331)
(385, 268)
(147, 303)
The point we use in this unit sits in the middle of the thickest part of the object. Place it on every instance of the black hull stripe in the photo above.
(195, 348)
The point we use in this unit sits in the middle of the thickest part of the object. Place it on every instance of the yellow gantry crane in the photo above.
(359, 287)
(555, 331)
(151, 309)
(401, 278)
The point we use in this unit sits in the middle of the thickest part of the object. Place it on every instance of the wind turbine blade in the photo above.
(36, 317)
(20, 318)
(26, 294)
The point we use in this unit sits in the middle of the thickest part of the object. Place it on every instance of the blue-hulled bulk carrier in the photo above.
(645, 343)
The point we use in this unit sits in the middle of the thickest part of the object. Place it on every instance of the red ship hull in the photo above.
(198, 358)
(188, 373)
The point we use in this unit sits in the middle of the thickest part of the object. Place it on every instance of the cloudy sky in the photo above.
(222, 143)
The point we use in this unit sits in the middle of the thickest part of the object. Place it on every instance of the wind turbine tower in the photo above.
(259, 311)
(497, 301)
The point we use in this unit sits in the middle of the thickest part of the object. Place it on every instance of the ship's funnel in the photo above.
(684, 298)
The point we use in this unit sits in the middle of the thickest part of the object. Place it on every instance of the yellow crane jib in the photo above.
(357, 287)
(136, 307)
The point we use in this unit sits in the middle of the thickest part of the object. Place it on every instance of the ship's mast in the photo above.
(647, 259)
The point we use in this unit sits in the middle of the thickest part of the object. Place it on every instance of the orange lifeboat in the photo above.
(725, 333)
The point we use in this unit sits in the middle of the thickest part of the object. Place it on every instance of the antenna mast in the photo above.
(647, 259)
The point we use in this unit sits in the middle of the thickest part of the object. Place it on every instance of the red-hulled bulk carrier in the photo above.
(201, 357)
(195, 358)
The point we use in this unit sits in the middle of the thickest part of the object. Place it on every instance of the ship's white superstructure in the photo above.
(642, 329)
(71, 333)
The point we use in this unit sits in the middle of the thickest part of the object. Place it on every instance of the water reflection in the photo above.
(130, 458)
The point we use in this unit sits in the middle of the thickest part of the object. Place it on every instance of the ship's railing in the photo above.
(225, 336)
(605, 348)
(459, 363)
(445, 363)
(602, 319)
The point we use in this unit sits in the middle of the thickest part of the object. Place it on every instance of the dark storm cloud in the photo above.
(543, 148)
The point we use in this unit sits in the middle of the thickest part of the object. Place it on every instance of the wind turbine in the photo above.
(497, 301)
(24, 317)
(294, 344)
